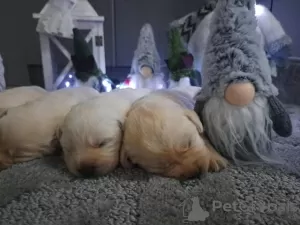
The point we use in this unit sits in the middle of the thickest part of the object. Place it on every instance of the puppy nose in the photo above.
(87, 170)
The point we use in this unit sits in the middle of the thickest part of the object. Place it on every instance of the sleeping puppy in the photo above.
(91, 134)
(20, 95)
(28, 131)
(163, 135)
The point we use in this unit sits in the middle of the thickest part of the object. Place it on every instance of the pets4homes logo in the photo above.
(193, 212)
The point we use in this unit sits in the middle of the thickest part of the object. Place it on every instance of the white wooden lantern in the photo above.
(84, 18)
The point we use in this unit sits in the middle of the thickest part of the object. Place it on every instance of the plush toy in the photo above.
(57, 19)
(87, 72)
(145, 69)
(195, 28)
(180, 62)
(237, 102)
(2, 77)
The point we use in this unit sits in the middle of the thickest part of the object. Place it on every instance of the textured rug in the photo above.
(42, 192)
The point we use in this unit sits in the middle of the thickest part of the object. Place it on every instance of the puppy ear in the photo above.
(120, 125)
(192, 116)
(125, 160)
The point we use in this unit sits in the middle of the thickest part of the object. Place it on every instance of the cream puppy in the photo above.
(163, 135)
(28, 131)
(91, 134)
(20, 95)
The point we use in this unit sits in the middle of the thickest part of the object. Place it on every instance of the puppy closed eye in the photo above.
(190, 143)
(102, 143)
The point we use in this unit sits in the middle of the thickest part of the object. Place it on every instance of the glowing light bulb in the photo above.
(70, 76)
(67, 84)
(107, 85)
(259, 10)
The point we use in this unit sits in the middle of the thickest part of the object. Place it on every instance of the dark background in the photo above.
(19, 43)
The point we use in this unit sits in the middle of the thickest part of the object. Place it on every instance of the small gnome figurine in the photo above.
(180, 62)
(57, 18)
(2, 77)
(145, 69)
(86, 69)
(237, 103)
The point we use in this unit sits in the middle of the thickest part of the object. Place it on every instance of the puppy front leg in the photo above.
(24, 155)
(125, 160)
(211, 161)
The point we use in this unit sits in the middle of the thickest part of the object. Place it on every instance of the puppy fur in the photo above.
(20, 95)
(163, 136)
(29, 131)
(91, 134)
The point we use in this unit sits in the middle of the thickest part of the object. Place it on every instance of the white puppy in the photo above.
(163, 135)
(28, 131)
(20, 95)
(91, 135)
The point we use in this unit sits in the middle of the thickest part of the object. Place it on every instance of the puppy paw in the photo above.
(212, 162)
(125, 161)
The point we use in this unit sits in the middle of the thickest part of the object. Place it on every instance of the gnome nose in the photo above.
(240, 94)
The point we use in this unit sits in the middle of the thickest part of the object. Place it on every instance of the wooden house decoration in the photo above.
(84, 17)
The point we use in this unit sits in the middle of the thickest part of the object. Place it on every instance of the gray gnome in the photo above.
(238, 104)
(2, 77)
(145, 69)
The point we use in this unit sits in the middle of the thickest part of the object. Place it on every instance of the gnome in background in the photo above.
(145, 69)
(195, 28)
(180, 62)
(276, 42)
(2, 77)
(57, 18)
(237, 103)
(87, 72)
(86, 68)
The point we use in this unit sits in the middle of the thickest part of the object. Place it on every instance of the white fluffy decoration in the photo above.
(2, 78)
(154, 83)
(269, 25)
(182, 83)
(57, 19)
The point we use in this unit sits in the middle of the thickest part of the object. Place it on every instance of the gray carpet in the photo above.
(42, 192)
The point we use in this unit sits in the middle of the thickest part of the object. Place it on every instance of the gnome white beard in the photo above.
(155, 82)
(182, 83)
(91, 82)
(227, 127)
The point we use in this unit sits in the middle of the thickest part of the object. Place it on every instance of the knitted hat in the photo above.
(83, 60)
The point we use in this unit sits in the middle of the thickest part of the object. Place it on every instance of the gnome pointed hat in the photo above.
(146, 53)
(83, 60)
(234, 52)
